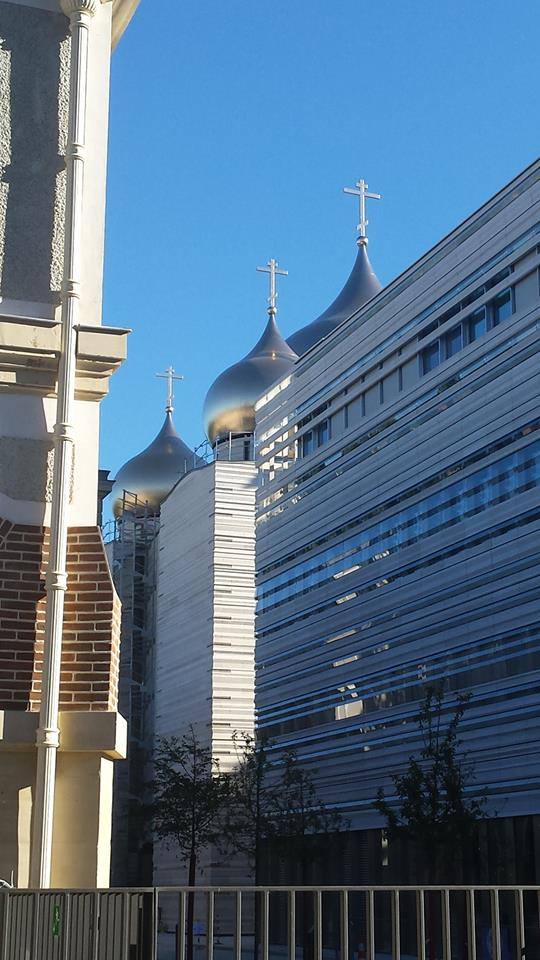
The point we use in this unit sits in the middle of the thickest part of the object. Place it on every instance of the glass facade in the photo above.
(445, 389)
(405, 551)
(502, 657)
(501, 480)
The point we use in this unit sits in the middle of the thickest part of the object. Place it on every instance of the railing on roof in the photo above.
(312, 923)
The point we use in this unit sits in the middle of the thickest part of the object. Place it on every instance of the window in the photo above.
(477, 324)
(453, 341)
(501, 480)
(308, 443)
(498, 277)
(323, 432)
(430, 357)
(429, 329)
(502, 307)
(473, 296)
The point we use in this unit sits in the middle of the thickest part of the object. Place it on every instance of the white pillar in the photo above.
(80, 13)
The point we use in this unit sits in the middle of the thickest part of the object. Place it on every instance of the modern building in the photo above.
(398, 524)
(60, 728)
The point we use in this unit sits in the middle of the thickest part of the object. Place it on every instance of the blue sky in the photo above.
(234, 127)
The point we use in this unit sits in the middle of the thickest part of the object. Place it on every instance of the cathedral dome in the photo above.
(361, 286)
(152, 474)
(229, 406)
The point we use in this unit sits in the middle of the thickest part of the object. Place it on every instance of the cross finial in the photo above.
(272, 269)
(360, 190)
(170, 376)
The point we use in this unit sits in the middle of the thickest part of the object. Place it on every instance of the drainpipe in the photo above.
(80, 13)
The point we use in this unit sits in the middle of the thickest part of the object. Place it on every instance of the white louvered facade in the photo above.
(205, 616)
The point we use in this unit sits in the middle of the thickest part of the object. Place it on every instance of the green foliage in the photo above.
(189, 794)
(433, 809)
(305, 828)
(276, 806)
(248, 821)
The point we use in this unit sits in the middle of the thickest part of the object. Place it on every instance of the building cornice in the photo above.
(30, 350)
(122, 13)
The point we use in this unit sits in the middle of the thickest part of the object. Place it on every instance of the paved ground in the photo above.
(166, 951)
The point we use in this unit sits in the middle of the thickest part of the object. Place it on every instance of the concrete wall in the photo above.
(34, 105)
(205, 623)
(82, 823)
(26, 459)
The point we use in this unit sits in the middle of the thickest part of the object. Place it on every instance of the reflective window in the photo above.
(494, 659)
(477, 324)
(430, 357)
(473, 296)
(453, 341)
(402, 572)
(323, 432)
(502, 307)
(308, 443)
(505, 478)
(365, 440)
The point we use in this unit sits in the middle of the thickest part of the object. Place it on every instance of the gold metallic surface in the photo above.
(360, 287)
(230, 402)
(151, 475)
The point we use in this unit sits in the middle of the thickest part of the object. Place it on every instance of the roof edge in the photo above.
(522, 181)
(122, 13)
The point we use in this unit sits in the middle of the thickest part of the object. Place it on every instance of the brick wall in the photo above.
(90, 648)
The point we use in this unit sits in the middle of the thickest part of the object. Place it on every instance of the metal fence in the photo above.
(272, 923)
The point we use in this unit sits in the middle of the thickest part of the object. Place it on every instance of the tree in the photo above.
(189, 796)
(275, 805)
(250, 813)
(305, 827)
(248, 823)
(306, 831)
(433, 809)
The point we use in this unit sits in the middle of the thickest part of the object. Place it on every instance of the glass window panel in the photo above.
(429, 329)
(430, 357)
(473, 296)
(502, 307)
(477, 324)
(454, 341)
(323, 432)
(465, 497)
(308, 444)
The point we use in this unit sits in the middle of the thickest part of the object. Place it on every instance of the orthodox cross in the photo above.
(272, 270)
(361, 191)
(170, 376)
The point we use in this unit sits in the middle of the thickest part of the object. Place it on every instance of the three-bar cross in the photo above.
(361, 191)
(170, 376)
(273, 271)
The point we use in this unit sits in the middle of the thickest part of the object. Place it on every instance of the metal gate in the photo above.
(273, 923)
(77, 925)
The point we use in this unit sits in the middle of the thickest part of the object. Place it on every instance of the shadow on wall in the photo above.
(34, 93)
(16, 792)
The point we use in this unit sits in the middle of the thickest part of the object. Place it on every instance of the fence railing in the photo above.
(272, 923)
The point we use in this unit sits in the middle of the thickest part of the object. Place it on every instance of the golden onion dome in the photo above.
(229, 407)
(360, 287)
(144, 481)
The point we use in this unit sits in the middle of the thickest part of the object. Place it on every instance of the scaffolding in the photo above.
(130, 541)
